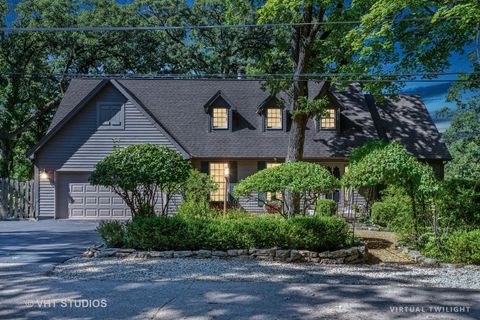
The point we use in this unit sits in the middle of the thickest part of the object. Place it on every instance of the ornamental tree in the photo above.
(309, 180)
(393, 165)
(140, 173)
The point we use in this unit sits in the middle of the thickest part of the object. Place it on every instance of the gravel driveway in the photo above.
(446, 276)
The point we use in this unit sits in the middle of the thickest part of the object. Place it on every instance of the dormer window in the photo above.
(328, 121)
(274, 118)
(220, 112)
(273, 114)
(219, 118)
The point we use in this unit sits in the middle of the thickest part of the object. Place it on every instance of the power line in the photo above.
(351, 77)
(199, 27)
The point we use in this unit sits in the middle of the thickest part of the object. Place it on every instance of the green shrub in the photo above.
(198, 186)
(245, 231)
(193, 208)
(394, 211)
(112, 232)
(325, 207)
(464, 247)
(136, 172)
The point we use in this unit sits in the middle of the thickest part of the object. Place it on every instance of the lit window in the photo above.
(274, 118)
(328, 122)
(217, 173)
(219, 118)
(278, 195)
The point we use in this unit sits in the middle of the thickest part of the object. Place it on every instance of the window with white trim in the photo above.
(219, 118)
(217, 174)
(328, 121)
(274, 118)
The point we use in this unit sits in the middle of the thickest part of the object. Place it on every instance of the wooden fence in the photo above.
(17, 199)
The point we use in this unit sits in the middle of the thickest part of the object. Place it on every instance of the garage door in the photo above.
(77, 199)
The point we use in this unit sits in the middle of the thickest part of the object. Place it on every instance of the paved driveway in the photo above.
(28, 291)
(37, 246)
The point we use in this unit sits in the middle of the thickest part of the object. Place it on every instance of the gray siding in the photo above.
(81, 144)
(47, 197)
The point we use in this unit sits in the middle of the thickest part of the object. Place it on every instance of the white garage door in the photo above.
(77, 199)
(89, 201)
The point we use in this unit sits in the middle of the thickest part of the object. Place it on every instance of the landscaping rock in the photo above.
(339, 253)
(264, 252)
(295, 256)
(218, 253)
(122, 254)
(242, 252)
(332, 261)
(305, 254)
(142, 255)
(282, 254)
(123, 250)
(429, 262)
(182, 254)
(323, 255)
(203, 253)
(105, 253)
(233, 253)
(88, 254)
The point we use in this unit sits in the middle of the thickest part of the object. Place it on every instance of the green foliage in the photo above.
(464, 246)
(358, 153)
(244, 231)
(458, 203)
(112, 232)
(394, 212)
(463, 139)
(192, 208)
(309, 180)
(325, 207)
(137, 172)
(198, 186)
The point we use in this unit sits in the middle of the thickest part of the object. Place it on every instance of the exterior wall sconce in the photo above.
(43, 175)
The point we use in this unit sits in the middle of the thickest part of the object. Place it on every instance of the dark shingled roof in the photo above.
(178, 106)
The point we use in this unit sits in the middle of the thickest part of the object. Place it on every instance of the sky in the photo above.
(433, 93)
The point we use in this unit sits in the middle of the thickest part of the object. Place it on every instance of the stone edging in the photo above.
(353, 255)
(417, 256)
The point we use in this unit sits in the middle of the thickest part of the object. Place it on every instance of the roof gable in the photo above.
(73, 103)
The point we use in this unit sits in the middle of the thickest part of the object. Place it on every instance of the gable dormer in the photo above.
(273, 114)
(220, 112)
(330, 120)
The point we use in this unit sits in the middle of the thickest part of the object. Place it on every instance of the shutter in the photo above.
(233, 171)
(262, 196)
(261, 165)
(205, 167)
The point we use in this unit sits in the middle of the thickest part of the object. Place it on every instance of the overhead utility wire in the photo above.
(258, 77)
(190, 27)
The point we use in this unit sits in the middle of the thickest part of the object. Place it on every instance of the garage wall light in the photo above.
(43, 175)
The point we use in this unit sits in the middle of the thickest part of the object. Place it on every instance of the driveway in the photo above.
(28, 290)
(35, 247)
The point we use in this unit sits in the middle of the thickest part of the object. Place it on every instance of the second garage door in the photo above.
(77, 199)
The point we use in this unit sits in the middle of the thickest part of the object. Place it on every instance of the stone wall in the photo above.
(352, 255)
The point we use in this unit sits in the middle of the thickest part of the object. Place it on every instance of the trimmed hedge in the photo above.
(325, 207)
(185, 233)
